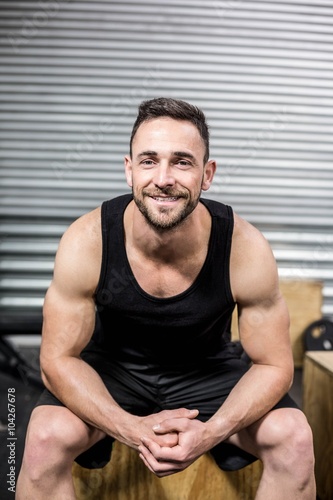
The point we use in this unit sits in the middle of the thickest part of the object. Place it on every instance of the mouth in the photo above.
(165, 199)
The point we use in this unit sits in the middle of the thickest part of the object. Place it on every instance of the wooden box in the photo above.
(125, 477)
(318, 407)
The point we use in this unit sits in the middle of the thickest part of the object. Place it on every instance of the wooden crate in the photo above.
(125, 477)
(318, 407)
(304, 301)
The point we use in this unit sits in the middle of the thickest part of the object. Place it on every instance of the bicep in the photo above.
(68, 324)
(264, 332)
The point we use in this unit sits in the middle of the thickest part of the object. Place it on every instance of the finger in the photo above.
(169, 439)
(150, 448)
(159, 473)
(149, 459)
(180, 413)
(145, 461)
(171, 425)
(159, 468)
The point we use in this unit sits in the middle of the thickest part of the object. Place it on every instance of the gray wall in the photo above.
(72, 74)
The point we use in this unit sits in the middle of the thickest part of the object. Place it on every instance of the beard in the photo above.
(165, 218)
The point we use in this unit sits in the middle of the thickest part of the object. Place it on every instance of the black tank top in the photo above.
(135, 327)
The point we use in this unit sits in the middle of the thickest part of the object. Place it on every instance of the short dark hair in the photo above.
(176, 109)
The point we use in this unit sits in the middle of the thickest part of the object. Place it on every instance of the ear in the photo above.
(209, 172)
(128, 170)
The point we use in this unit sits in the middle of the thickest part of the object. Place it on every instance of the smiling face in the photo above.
(166, 171)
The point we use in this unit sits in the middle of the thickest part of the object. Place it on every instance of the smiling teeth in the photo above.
(165, 199)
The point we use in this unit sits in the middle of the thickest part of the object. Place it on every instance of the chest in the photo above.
(166, 280)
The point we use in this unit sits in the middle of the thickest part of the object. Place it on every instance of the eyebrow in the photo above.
(147, 153)
(183, 154)
(179, 154)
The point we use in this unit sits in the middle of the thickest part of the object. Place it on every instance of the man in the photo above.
(136, 339)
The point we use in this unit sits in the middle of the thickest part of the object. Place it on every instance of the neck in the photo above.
(167, 245)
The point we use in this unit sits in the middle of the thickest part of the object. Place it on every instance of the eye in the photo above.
(183, 164)
(147, 162)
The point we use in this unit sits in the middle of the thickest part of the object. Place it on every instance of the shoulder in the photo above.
(78, 258)
(86, 230)
(246, 233)
(253, 268)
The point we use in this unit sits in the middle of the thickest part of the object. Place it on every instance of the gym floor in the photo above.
(19, 376)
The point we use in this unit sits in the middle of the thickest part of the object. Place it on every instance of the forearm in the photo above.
(254, 395)
(79, 387)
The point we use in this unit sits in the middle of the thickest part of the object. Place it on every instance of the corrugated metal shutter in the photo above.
(72, 74)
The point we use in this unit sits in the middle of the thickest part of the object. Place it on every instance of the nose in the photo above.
(163, 176)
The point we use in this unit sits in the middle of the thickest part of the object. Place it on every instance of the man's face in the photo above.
(166, 171)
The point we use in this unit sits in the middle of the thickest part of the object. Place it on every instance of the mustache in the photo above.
(166, 192)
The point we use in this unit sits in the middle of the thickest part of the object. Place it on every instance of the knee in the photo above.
(53, 440)
(288, 442)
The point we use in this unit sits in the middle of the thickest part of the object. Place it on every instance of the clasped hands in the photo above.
(178, 439)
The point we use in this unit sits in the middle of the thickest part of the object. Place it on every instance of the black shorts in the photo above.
(145, 389)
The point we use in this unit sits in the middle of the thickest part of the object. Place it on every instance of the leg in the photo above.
(55, 437)
(282, 439)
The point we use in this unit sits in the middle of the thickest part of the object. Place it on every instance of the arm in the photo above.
(264, 333)
(69, 319)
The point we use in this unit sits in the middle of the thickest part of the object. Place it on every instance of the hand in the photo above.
(135, 427)
(165, 460)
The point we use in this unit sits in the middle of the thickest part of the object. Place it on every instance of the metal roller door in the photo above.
(71, 76)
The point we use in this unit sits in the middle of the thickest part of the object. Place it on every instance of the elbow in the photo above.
(45, 378)
(48, 369)
(286, 376)
(290, 378)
